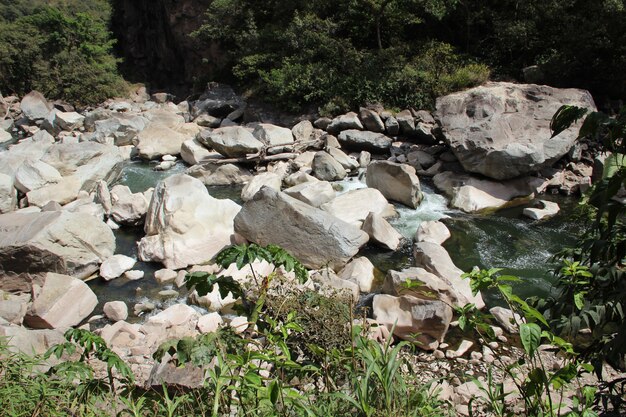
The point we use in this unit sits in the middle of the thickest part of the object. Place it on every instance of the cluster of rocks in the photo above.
(484, 148)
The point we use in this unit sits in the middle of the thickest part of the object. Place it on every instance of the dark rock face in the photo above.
(153, 38)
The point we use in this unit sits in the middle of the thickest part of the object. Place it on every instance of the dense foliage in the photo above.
(340, 54)
(64, 52)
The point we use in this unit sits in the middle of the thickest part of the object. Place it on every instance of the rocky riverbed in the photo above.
(335, 193)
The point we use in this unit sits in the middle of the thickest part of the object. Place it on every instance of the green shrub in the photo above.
(63, 55)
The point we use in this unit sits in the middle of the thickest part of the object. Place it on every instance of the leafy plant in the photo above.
(539, 386)
(242, 255)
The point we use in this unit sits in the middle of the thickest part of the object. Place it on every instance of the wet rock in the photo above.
(548, 209)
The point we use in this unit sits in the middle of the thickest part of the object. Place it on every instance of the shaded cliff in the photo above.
(153, 38)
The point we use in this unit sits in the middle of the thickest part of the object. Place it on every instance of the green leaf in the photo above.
(565, 117)
(530, 334)
(272, 392)
(253, 379)
(579, 300)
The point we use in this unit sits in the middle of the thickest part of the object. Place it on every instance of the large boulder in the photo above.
(436, 260)
(424, 322)
(30, 342)
(219, 100)
(231, 141)
(35, 106)
(61, 302)
(397, 182)
(156, 141)
(313, 236)
(380, 231)
(419, 283)
(194, 153)
(327, 168)
(185, 225)
(345, 122)
(68, 243)
(502, 130)
(35, 174)
(127, 207)
(432, 231)
(57, 121)
(365, 141)
(354, 206)
(115, 266)
(472, 194)
(272, 135)
(122, 127)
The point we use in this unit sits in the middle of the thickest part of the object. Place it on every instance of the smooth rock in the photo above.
(424, 322)
(314, 193)
(133, 275)
(392, 126)
(156, 141)
(192, 152)
(302, 131)
(34, 106)
(175, 315)
(219, 174)
(506, 318)
(313, 236)
(371, 120)
(549, 209)
(266, 179)
(30, 342)
(61, 302)
(397, 182)
(330, 279)
(361, 271)
(209, 323)
(165, 275)
(347, 162)
(128, 208)
(354, 206)
(365, 141)
(116, 266)
(327, 168)
(472, 194)
(432, 231)
(380, 231)
(344, 122)
(272, 135)
(502, 130)
(436, 260)
(232, 141)
(116, 310)
(185, 225)
(60, 241)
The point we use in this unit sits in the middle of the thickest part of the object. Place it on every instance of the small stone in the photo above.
(116, 310)
(439, 354)
(476, 355)
(143, 308)
(168, 293)
(493, 345)
(239, 324)
(165, 275)
(209, 323)
(134, 274)
(168, 158)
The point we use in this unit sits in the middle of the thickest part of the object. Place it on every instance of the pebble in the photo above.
(165, 275)
(134, 274)
(168, 293)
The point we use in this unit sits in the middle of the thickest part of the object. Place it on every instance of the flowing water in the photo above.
(505, 239)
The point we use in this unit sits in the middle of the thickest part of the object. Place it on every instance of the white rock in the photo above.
(209, 323)
(314, 193)
(115, 266)
(397, 182)
(8, 195)
(380, 231)
(272, 135)
(549, 209)
(116, 310)
(361, 271)
(175, 315)
(354, 206)
(35, 174)
(134, 274)
(164, 276)
(266, 179)
(61, 302)
(432, 231)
